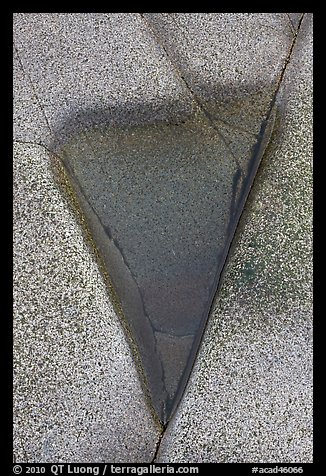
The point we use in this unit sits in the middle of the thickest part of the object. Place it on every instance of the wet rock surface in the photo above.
(163, 201)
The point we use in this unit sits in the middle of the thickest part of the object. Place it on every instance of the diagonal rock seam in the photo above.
(33, 90)
(279, 82)
(181, 77)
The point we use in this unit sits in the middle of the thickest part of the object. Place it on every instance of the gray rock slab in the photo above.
(77, 395)
(29, 122)
(65, 64)
(90, 71)
(231, 61)
(94, 68)
(250, 395)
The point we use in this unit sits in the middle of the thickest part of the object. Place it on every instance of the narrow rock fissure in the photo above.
(158, 444)
(281, 76)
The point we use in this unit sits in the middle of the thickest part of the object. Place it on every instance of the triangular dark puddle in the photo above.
(162, 202)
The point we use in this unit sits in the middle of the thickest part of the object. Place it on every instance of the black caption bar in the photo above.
(103, 469)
